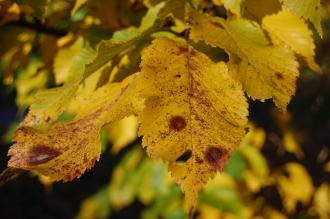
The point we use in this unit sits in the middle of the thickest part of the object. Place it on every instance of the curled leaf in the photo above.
(65, 151)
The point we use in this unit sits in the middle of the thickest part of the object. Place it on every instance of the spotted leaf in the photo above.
(195, 123)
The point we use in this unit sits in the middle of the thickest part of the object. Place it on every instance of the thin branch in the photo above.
(38, 27)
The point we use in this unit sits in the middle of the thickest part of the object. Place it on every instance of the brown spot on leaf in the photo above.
(198, 160)
(216, 157)
(41, 154)
(183, 49)
(279, 76)
(178, 75)
(177, 123)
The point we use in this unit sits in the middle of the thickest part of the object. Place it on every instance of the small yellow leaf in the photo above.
(195, 123)
(77, 5)
(233, 5)
(291, 144)
(292, 30)
(63, 61)
(265, 71)
(255, 137)
(321, 201)
(298, 186)
(65, 151)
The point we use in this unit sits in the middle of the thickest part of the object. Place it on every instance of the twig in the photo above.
(39, 27)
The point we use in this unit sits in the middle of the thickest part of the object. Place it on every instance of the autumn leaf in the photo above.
(308, 9)
(65, 151)
(195, 123)
(125, 39)
(296, 187)
(255, 10)
(265, 71)
(233, 6)
(49, 104)
(77, 5)
(292, 30)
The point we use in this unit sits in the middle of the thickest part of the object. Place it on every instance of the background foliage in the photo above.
(281, 170)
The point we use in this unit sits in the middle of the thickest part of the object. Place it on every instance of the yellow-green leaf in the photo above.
(65, 151)
(125, 39)
(48, 104)
(77, 5)
(233, 5)
(265, 71)
(195, 123)
(292, 30)
(309, 9)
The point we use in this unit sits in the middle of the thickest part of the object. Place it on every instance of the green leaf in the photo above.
(236, 166)
(222, 198)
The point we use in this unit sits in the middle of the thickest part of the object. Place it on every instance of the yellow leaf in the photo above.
(292, 30)
(309, 9)
(274, 214)
(257, 9)
(291, 144)
(77, 5)
(209, 212)
(122, 133)
(327, 167)
(37, 81)
(48, 104)
(321, 201)
(255, 137)
(233, 5)
(195, 123)
(265, 71)
(63, 61)
(65, 151)
(256, 160)
(298, 186)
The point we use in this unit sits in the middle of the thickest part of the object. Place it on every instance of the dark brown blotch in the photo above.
(279, 76)
(41, 154)
(183, 49)
(178, 75)
(216, 157)
(177, 123)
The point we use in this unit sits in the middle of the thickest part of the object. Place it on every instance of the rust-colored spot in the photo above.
(198, 160)
(41, 154)
(177, 123)
(216, 157)
(183, 49)
(178, 75)
(279, 76)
